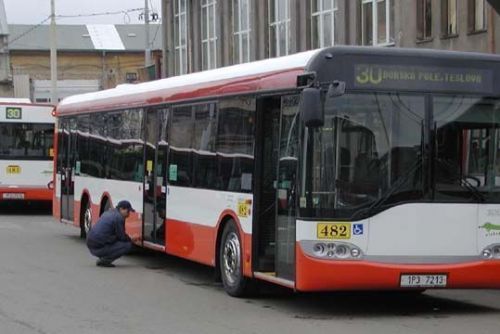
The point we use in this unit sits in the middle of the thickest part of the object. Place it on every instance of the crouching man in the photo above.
(107, 239)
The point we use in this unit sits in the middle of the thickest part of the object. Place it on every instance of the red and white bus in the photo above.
(26, 150)
(338, 169)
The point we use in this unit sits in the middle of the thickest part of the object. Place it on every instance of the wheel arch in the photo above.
(105, 199)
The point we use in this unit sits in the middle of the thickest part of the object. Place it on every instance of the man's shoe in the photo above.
(104, 263)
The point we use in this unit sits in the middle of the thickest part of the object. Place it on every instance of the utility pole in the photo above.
(147, 55)
(53, 53)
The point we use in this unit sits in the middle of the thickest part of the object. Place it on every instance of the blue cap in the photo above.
(125, 205)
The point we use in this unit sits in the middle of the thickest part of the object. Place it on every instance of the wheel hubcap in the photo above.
(87, 220)
(232, 258)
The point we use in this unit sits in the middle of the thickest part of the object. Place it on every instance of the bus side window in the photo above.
(180, 157)
(235, 144)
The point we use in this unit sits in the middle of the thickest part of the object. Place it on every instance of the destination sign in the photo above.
(423, 78)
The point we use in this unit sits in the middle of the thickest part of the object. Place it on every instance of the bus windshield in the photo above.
(26, 141)
(379, 149)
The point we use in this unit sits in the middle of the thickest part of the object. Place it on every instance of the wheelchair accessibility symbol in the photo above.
(357, 229)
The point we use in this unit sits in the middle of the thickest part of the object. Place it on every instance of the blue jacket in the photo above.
(109, 229)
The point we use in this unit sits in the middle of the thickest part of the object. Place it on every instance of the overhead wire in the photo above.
(41, 23)
(36, 26)
(126, 11)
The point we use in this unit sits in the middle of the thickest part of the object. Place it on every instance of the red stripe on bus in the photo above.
(30, 194)
(322, 275)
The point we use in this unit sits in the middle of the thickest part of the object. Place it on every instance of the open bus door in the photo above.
(276, 175)
(155, 153)
(66, 149)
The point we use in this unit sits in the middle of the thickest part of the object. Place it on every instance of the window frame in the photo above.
(446, 18)
(388, 26)
(472, 16)
(239, 32)
(319, 39)
(180, 49)
(210, 43)
(424, 7)
(275, 23)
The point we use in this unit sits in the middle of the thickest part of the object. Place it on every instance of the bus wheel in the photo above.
(230, 257)
(86, 221)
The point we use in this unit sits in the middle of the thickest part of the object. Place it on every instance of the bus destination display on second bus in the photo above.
(423, 78)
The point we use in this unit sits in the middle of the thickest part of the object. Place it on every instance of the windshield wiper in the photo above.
(463, 182)
(400, 183)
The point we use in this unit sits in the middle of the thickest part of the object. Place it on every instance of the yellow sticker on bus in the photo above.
(244, 208)
(334, 230)
(13, 169)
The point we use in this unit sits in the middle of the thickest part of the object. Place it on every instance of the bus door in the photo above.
(276, 173)
(286, 187)
(155, 153)
(67, 149)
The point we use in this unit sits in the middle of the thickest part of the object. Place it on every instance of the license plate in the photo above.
(334, 231)
(13, 170)
(13, 196)
(423, 281)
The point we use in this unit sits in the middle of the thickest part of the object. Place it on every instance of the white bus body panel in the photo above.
(117, 190)
(204, 207)
(34, 173)
(422, 230)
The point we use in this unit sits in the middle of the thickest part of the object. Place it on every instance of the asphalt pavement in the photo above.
(49, 284)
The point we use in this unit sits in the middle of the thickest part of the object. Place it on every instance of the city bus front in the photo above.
(26, 152)
(400, 173)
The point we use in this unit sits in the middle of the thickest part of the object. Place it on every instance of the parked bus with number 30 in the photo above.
(26, 150)
(345, 168)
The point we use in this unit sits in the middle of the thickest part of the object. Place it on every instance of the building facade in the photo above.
(6, 88)
(90, 58)
(205, 34)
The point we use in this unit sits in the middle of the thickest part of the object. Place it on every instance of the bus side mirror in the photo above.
(311, 108)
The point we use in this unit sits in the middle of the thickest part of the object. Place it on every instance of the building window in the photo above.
(323, 22)
(279, 25)
(477, 15)
(241, 28)
(180, 32)
(377, 22)
(449, 17)
(424, 19)
(209, 34)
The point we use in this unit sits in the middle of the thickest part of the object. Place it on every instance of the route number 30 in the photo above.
(13, 113)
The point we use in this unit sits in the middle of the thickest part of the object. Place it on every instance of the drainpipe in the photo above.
(104, 74)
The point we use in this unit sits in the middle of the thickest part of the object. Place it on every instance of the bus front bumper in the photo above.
(25, 194)
(313, 274)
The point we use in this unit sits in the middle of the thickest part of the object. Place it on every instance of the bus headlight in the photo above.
(319, 249)
(487, 253)
(491, 252)
(341, 251)
(496, 252)
(332, 250)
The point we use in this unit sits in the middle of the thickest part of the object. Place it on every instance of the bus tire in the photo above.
(85, 220)
(105, 206)
(230, 262)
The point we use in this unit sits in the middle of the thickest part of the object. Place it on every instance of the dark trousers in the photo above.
(111, 252)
